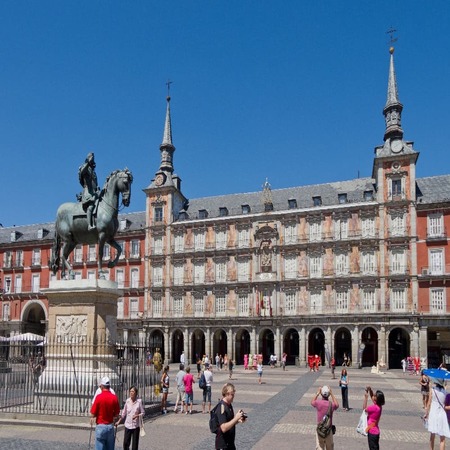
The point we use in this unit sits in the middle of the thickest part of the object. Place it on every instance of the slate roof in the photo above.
(433, 189)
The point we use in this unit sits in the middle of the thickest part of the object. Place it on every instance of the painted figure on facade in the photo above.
(74, 224)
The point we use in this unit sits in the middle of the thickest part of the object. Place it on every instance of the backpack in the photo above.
(202, 381)
(214, 420)
(324, 426)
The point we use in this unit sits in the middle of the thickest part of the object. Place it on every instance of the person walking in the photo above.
(333, 368)
(404, 365)
(324, 401)
(103, 413)
(180, 389)
(217, 362)
(283, 360)
(132, 414)
(230, 368)
(343, 383)
(226, 434)
(182, 358)
(165, 382)
(373, 417)
(259, 369)
(436, 415)
(188, 381)
(207, 390)
(424, 388)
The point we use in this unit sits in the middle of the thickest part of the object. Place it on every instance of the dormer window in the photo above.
(202, 214)
(368, 196)
(292, 202)
(15, 235)
(342, 198)
(183, 215)
(123, 225)
(42, 232)
(317, 200)
(245, 209)
(223, 211)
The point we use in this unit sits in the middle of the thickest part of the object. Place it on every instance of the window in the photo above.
(178, 273)
(221, 272)
(398, 261)
(243, 267)
(5, 311)
(315, 231)
(342, 198)
(243, 304)
(342, 301)
(157, 306)
(19, 258)
(199, 304)
(36, 261)
(8, 285)
(437, 301)
(91, 275)
(435, 225)
(120, 308)
(315, 266)
(123, 224)
(369, 300)
(341, 229)
(106, 252)
(106, 274)
(134, 308)
(368, 196)
(158, 245)
(135, 249)
(368, 263)
(221, 305)
(398, 300)
(199, 272)
(223, 211)
(397, 224)
(179, 242)
(221, 239)
(120, 278)
(243, 238)
(91, 253)
(199, 240)
(78, 254)
(122, 246)
(290, 305)
(341, 263)
(245, 209)
(178, 306)
(290, 267)
(396, 189)
(135, 278)
(36, 283)
(18, 284)
(292, 203)
(290, 233)
(157, 275)
(368, 227)
(7, 259)
(436, 256)
(316, 301)
(78, 276)
(317, 200)
(158, 214)
(202, 214)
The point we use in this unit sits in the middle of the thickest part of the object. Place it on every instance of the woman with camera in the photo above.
(373, 417)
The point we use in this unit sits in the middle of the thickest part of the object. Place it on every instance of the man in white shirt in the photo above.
(182, 358)
(207, 390)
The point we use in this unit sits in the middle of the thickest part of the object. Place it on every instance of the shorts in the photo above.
(180, 394)
(207, 394)
(189, 398)
(165, 390)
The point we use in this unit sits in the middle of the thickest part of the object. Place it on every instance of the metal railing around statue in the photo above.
(58, 377)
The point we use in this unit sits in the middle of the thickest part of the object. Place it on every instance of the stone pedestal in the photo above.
(80, 347)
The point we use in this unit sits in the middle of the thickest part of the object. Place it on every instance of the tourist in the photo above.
(182, 358)
(103, 412)
(373, 417)
(259, 369)
(246, 361)
(180, 389)
(230, 368)
(424, 389)
(404, 366)
(436, 415)
(132, 414)
(323, 405)
(188, 381)
(217, 361)
(199, 366)
(333, 368)
(207, 390)
(165, 381)
(343, 383)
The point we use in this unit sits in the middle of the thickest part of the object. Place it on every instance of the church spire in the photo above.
(393, 109)
(167, 148)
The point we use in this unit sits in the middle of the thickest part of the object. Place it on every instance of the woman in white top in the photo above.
(436, 415)
(132, 414)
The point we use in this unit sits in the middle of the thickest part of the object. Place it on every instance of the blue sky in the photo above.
(288, 90)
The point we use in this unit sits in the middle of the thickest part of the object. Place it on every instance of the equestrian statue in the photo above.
(93, 220)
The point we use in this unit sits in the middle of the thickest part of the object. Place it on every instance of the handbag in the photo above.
(141, 426)
(362, 424)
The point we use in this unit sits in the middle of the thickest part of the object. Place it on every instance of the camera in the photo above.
(244, 416)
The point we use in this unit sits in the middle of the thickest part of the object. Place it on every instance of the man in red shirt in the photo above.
(104, 412)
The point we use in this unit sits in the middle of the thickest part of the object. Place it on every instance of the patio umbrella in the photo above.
(439, 375)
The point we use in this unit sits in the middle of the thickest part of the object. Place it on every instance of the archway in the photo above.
(343, 345)
(156, 340)
(220, 344)
(266, 344)
(197, 346)
(369, 339)
(177, 345)
(242, 345)
(316, 343)
(34, 319)
(291, 345)
(398, 347)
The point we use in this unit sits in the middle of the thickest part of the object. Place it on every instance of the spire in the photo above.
(167, 137)
(167, 148)
(393, 109)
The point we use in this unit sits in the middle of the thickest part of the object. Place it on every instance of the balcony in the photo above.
(398, 270)
(434, 273)
(437, 235)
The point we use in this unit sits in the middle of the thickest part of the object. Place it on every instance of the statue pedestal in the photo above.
(80, 347)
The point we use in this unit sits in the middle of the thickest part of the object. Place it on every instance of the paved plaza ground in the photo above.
(279, 416)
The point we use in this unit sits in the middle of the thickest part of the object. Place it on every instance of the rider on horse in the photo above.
(90, 194)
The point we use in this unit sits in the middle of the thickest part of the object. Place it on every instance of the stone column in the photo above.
(355, 347)
(208, 343)
(169, 348)
(166, 346)
(277, 344)
(303, 345)
(187, 345)
(382, 345)
(423, 348)
(254, 343)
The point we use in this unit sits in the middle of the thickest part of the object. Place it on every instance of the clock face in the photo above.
(159, 179)
(396, 146)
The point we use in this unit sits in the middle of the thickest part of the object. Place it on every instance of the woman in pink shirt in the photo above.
(373, 417)
(188, 381)
(132, 413)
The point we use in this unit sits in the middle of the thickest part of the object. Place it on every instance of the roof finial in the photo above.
(392, 39)
(168, 89)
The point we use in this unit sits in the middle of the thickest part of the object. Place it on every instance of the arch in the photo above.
(242, 345)
(220, 344)
(266, 343)
(316, 343)
(343, 345)
(197, 345)
(156, 340)
(34, 316)
(291, 345)
(399, 347)
(177, 345)
(369, 356)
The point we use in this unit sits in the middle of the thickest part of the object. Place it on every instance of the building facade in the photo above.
(356, 267)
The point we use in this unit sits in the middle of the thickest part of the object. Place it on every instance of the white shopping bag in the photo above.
(362, 424)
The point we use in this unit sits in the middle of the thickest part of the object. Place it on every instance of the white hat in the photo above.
(325, 391)
(105, 382)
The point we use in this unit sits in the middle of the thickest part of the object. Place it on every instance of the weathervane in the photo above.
(392, 39)
(168, 88)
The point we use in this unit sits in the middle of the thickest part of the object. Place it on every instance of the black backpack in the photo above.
(213, 419)
(202, 381)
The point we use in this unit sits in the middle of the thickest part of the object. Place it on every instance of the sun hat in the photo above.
(325, 391)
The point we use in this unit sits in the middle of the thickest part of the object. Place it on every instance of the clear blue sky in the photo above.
(289, 90)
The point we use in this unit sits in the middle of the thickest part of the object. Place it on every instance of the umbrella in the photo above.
(438, 374)
(26, 337)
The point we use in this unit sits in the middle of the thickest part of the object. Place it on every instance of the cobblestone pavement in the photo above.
(280, 416)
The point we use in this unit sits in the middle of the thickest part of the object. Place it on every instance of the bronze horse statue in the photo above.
(71, 226)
